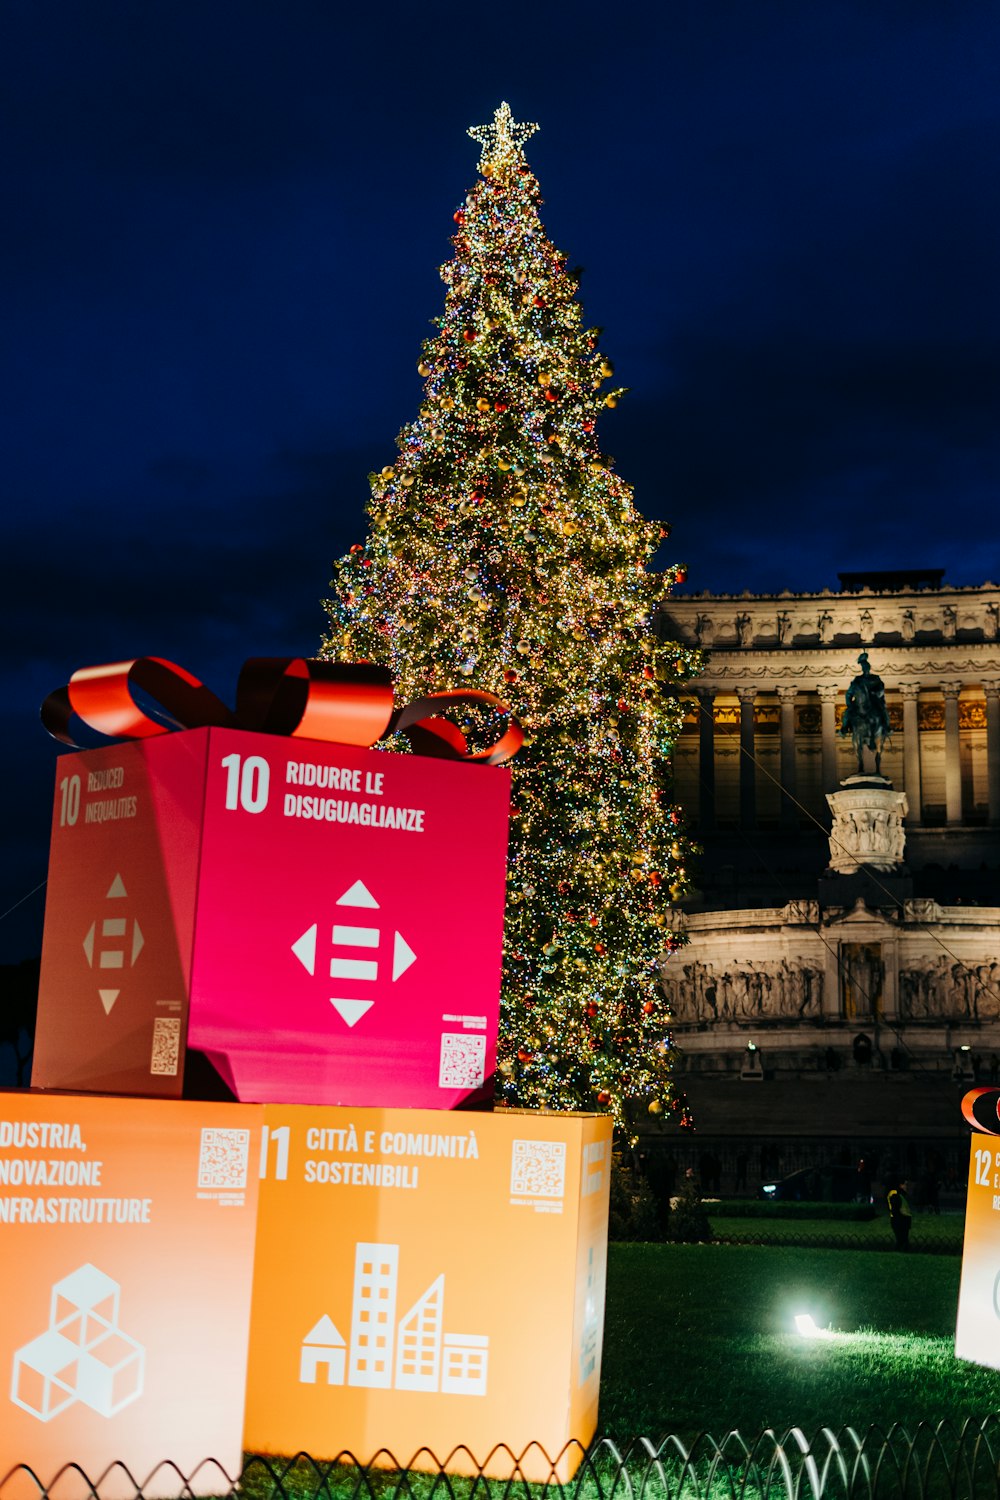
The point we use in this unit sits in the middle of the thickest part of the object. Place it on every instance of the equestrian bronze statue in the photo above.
(866, 717)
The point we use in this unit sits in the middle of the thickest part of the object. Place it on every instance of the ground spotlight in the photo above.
(805, 1324)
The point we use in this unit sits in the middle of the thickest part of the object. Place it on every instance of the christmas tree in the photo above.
(504, 552)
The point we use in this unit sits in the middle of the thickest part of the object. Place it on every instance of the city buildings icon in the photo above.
(348, 942)
(413, 1354)
(83, 1355)
(110, 956)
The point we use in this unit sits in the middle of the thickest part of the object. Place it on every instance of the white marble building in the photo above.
(776, 671)
(825, 955)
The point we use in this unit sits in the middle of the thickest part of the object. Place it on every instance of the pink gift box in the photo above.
(324, 923)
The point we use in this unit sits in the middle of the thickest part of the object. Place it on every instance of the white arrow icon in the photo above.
(402, 955)
(304, 949)
(352, 1010)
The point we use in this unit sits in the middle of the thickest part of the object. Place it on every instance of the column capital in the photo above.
(746, 694)
(951, 689)
(706, 694)
(909, 690)
(828, 692)
(991, 687)
(788, 691)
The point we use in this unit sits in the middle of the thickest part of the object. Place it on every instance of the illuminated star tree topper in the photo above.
(503, 139)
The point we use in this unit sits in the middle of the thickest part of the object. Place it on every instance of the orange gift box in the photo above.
(126, 1252)
(428, 1282)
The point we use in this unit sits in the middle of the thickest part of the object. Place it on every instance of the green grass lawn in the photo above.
(700, 1337)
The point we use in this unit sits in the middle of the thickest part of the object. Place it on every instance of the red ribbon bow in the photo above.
(344, 702)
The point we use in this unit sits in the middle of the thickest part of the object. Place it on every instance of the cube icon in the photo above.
(45, 1374)
(111, 1373)
(83, 1355)
(86, 1297)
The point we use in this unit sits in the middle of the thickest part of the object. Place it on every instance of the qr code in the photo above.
(538, 1169)
(463, 1061)
(222, 1160)
(166, 1045)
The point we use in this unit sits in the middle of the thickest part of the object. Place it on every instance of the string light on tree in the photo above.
(504, 550)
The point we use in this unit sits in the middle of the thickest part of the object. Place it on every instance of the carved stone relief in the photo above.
(942, 988)
(749, 990)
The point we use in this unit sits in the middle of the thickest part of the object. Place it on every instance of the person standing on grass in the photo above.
(900, 1216)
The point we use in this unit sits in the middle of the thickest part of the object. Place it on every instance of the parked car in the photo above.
(815, 1185)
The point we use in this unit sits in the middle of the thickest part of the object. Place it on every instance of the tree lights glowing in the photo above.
(504, 550)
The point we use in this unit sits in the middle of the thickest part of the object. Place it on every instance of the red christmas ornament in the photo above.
(523, 1055)
(681, 575)
(648, 673)
(357, 547)
(604, 1097)
(592, 1009)
(510, 676)
(499, 406)
(469, 335)
(459, 216)
(538, 300)
(588, 426)
(622, 706)
(550, 394)
(600, 949)
(647, 1009)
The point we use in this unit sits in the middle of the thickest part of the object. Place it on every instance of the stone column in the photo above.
(706, 758)
(911, 751)
(748, 763)
(828, 721)
(952, 760)
(992, 691)
(789, 806)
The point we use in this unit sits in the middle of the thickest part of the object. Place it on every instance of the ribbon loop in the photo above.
(347, 703)
(431, 734)
(102, 698)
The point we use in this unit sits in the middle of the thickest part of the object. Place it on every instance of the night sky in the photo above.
(222, 228)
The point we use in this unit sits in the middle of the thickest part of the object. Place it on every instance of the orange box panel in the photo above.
(977, 1333)
(126, 1254)
(425, 1281)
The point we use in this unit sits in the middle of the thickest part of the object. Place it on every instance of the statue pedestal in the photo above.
(867, 825)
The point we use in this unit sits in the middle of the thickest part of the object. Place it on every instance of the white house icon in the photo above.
(323, 1345)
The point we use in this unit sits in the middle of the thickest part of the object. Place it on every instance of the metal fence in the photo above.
(926, 1462)
(933, 1245)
